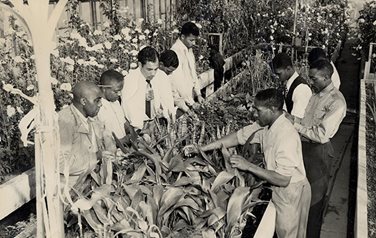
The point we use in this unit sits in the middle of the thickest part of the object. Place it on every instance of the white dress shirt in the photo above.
(281, 155)
(324, 114)
(335, 77)
(133, 97)
(111, 114)
(300, 97)
(163, 96)
(185, 79)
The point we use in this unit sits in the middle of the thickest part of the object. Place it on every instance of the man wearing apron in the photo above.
(324, 113)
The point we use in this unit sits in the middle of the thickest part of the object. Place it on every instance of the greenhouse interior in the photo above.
(195, 118)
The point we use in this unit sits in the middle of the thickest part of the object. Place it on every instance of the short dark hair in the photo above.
(169, 58)
(324, 66)
(281, 60)
(316, 54)
(271, 97)
(110, 76)
(189, 28)
(147, 54)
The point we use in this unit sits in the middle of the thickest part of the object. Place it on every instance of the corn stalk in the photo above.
(40, 25)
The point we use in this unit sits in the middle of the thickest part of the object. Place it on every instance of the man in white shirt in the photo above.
(168, 63)
(111, 113)
(319, 54)
(284, 167)
(297, 92)
(147, 92)
(185, 76)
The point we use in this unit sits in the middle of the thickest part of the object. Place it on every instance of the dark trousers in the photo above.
(318, 160)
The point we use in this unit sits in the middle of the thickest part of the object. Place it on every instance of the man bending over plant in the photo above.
(284, 167)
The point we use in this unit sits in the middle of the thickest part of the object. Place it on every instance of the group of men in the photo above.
(293, 128)
(162, 86)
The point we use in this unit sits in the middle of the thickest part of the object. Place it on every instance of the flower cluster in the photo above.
(367, 27)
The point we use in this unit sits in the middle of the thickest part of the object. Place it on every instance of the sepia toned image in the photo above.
(187, 118)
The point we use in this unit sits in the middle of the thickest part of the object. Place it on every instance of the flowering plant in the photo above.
(367, 28)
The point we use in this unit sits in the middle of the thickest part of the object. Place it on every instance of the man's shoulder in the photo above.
(66, 115)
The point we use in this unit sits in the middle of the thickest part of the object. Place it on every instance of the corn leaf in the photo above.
(121, 225)
(222, 178)
(176, 164)
(235, 206)
(183, 181)
(208, 233)
(139, 173)
(147, 212)
(168, 200)
(137, 198)
(158, 192)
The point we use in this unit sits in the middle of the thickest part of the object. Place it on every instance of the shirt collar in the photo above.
(181, 45)
(83, 125)
(291, 80)
(277, 123)
(326, 90)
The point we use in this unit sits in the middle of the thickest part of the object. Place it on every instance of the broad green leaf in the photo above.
(158, 192)
(137, 198)
(131, 190)
(101, 214)
(176, 165)
(169, 199)
(216, 215)
(222, 178)
(92, 220)
(147, 212)
(183, 181)
(235, 206)
(139, 173)
(121, 225)
(208, 233)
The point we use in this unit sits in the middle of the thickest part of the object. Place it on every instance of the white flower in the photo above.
(125, 31)
(160, 21)
(97, 32)
(117, 37)
(175, 31)
(30, 87)
(140, 20)
(127, 38)
(101, 66)
(19, 110)
(66, 87)
(142, 37)
(68, 60)
(107, 44)
(374, 23)
(113, 60)
(134, 40)
(70, 68)
(134, 52)
(91, 58)
(55, 52)
(374, 55)
(200, 57)
(147, 31)
(271, 38)
(18, 59)
(133, 65)
(198, 25)
(155, 33)
(361, 20)
(124, 73)
(80, 61)
(75, 35)
(97, 47)
(53, 80)
(8, 87)
(10, 111)
(106, 24)
(330, 15)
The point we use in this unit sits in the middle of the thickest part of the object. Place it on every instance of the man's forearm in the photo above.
(228, 141)
(270, 176)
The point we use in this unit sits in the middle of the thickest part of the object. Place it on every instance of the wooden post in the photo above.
(40, 26)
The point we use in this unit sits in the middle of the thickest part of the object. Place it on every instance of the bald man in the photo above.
(81, 134)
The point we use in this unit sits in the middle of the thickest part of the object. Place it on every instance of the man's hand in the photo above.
(188, 150)
(239, 162)
(200, 99)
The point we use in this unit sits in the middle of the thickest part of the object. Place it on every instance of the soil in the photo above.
(371, 161)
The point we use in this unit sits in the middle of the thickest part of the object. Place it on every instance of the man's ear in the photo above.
(83, 101)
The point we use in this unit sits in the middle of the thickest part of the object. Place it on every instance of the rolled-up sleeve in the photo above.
(286, 158)
(244, 133)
